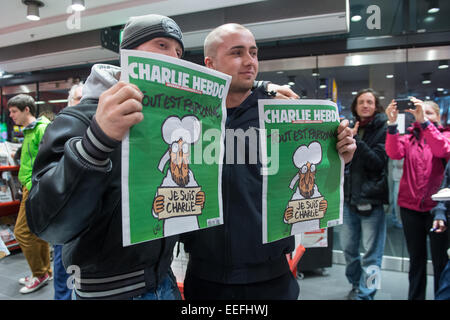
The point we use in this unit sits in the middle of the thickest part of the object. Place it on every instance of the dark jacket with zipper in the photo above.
(233, 253)
(77, 202)
(365, 179)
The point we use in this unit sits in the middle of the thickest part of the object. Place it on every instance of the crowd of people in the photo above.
(72, 188)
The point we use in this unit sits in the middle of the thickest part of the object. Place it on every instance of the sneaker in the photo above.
(353, 294)
(35, 284)
(442, 195)
(25, 281)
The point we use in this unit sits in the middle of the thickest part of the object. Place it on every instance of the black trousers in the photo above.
(416, 227)
(282, 288)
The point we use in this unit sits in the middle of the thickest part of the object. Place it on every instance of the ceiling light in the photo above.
(291, 80)
(389, 76)
(356, 13)
(323, 83)
(354, 93)
(280, 72)
(315, 72)
(356, 18)
(58, 101)
(426, 78)
(78, 5)
(433, 7)
(443, 64)
(440, 89)
(33, 9)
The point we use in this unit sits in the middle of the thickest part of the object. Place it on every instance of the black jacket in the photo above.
(77, 203)
(233, 253)
(366, 176)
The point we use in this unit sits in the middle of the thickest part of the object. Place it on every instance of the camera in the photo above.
(404, 104)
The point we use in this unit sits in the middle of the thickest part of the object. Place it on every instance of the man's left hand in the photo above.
(283, 92)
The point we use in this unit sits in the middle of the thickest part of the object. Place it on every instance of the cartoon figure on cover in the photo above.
(307, 205)
(179, 199)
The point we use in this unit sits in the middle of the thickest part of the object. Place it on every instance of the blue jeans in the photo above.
(167, 290)
(363, 272)
(60, 276)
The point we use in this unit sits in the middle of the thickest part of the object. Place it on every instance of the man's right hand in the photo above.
(119, 108)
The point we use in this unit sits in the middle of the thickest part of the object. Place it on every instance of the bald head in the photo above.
(215, 37)
(231, 49)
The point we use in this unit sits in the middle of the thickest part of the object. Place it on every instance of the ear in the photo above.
(209, 62)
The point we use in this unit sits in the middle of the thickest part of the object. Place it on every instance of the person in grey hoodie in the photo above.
(76, 194)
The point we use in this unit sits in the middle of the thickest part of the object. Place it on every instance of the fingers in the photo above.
(283, 92)
(158, 204)
(200, 199)
(289, 213)
(356, 127)
(119, 108)
(344, 130)
(439, 226)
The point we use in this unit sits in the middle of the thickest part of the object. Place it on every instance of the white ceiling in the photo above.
(16, 29)
(57, 20)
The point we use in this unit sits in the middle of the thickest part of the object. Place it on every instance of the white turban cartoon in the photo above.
(304, 154)
(173, 129)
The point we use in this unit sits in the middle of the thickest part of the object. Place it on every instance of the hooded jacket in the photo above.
(366, 176)
(32, 137)
(233, 253)
(426, 148)
(76, 201)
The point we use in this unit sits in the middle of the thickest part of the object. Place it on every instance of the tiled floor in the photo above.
(394, 285)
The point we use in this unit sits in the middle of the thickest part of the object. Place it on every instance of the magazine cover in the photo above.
(171, 161)
(303, 173)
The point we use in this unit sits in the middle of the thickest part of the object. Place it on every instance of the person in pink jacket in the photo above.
(426, 149)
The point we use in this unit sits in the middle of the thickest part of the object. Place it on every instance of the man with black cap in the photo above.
(76, 195)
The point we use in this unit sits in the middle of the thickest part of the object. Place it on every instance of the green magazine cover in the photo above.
(303, 173)
(171, 161)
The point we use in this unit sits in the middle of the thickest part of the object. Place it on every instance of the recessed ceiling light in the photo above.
(356, 18)
(78, 5)
(443, 64)
(315, 72)
(426, 78)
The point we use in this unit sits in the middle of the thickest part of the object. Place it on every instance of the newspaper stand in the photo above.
(10, 208)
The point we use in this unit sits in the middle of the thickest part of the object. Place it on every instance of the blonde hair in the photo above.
(435, 107)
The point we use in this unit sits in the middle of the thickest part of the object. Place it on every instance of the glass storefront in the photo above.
(394, 74)
(50, 97)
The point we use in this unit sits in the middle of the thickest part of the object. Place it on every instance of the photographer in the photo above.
(426, 149)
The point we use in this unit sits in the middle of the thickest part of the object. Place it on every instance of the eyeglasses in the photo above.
(304, 168)
(176, 147)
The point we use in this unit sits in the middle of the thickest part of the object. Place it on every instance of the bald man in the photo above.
(230, 261)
